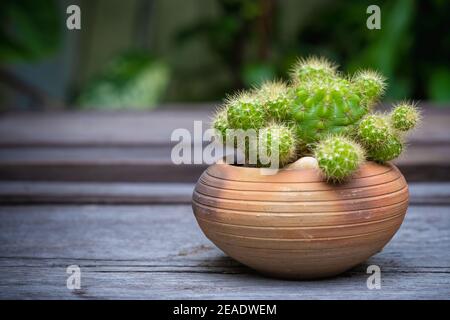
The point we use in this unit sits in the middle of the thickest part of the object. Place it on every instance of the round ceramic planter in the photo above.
(295, 225)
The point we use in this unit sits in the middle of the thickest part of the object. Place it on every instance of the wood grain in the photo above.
(158, 252)
(294, 224)
(43, 192)
(153, 251)
(140, 128)
(21, 192)
(135, 146)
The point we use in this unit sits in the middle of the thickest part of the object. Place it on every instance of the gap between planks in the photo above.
(17, 192)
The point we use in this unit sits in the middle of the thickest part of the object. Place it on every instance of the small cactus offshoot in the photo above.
(274, 97)
(370, 85)
(405, 116)
(321, 112)
(276, 138)
(313, 67)
(220, 124)
(389, 150)
(245, 111)
(373, 130)
(338, 157)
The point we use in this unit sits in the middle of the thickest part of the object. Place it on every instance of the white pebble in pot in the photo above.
(303, 163)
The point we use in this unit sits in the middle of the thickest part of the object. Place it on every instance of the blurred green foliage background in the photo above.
(140, 53)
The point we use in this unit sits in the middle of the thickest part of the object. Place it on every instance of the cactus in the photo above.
(391, 149)
(322, 113)
(405, 116)
(280, 136)
(338, 157)
(220, 124)
(370, 85)
(245, 111)
(274, 99)
(373, 130)
(313, 68)
(324, 102)
(320, 107)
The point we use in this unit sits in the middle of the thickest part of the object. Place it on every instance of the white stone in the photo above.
(303, 163)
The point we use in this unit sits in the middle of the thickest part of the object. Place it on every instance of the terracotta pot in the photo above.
(294, 224)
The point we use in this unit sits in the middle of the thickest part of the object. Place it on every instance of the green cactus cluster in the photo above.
(319, 112)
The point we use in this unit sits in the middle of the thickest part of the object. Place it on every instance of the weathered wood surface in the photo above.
(145, 164)
(128, 128)
(72, 167)
(158, 252)
(95, 128)
(136, 147)
(32, 192)
(103, 193)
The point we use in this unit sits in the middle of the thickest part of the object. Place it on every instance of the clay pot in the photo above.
(294, 224)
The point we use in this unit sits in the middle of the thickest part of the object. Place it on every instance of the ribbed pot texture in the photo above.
(294, 224)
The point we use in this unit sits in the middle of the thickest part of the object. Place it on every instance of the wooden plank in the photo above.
(134, 128)
(154, 164)
(158, 252)
(429, 193)
(104, 164)
(96, 128)
(126, 283)
(79, 192)
(135, 146)
(103, 173)
(21, 192)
